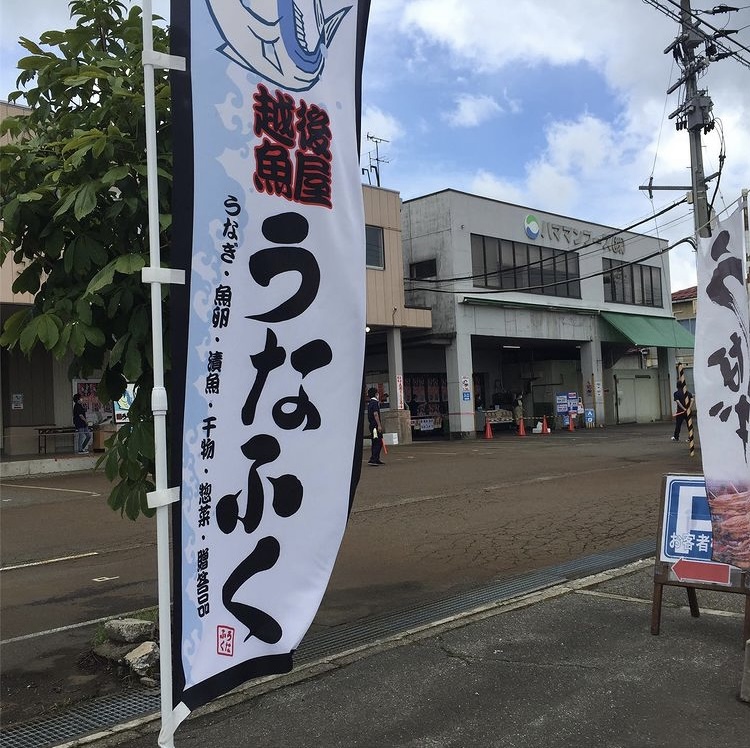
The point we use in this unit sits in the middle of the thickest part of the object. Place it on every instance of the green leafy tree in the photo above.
(74, 211)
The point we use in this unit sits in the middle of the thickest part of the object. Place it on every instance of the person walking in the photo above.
(376, 427)
(83, 432)
(683, 399)
(518, 411)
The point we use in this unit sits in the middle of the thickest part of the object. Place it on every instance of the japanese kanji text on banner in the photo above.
(276, 320)
(722, 387)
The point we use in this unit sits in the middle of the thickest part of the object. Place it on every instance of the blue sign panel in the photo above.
(466, 396)
(686, 529)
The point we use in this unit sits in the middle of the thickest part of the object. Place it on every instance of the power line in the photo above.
(712, 39)
(542, 286)
(592, 243)
(688, 239)
(717, 32)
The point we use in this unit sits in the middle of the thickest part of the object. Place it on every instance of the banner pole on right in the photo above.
(722, 383)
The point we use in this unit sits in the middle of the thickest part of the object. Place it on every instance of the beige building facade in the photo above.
(37, 391)
(390, 321)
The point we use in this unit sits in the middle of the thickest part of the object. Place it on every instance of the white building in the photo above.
(527, 302)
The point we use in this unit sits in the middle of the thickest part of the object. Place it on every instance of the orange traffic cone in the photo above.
(487, 430)
(571, 427)
(545, 428)
(521, 428)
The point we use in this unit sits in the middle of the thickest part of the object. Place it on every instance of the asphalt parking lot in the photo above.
(440, 517)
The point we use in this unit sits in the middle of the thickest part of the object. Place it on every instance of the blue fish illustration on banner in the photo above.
(276, 47)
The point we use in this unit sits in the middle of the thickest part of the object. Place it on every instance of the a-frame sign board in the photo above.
(683, 554)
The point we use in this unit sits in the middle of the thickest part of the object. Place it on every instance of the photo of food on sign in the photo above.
(730, 517)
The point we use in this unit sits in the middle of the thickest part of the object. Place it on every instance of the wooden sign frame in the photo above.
(738, 581)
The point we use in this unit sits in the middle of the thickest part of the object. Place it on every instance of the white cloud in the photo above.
(380, 124)
(587, 164)
(385, 127)
(514, 106)
(584, 146)
(472, 110)
(591, 167)
(552, 189)
(489, 185)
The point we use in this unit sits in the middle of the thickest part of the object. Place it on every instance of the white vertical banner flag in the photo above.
(269, 201)
(722, 388)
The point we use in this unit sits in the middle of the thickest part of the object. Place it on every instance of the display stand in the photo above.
(692, 574)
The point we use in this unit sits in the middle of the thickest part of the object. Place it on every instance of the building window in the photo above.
(515, 266)
(626, 283)
(374, 247)
(688, 324)
(423, 269)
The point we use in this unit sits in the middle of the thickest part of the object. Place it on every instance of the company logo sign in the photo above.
(531, 227)
(560, 234)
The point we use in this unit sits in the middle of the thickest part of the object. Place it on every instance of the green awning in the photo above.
(640, 329)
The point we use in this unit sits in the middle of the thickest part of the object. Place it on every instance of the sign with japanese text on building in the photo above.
(276, 319)
(465, 389)
(722, 387)
(566, 402)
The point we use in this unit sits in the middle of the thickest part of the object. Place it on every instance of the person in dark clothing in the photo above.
(83, 432)
(376, 427)
(683, 399)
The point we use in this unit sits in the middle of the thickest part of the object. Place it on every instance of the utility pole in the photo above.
(694, 113)
(698, 107)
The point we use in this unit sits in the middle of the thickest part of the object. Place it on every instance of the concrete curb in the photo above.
(745, 686)
(120, 734)
(47, 465)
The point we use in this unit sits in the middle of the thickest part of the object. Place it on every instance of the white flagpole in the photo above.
(162, 497)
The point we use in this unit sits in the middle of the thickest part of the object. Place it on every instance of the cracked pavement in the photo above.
(442, 516)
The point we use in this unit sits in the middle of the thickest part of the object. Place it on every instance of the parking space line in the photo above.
(72, 626)
(49, 561)
(50, 488)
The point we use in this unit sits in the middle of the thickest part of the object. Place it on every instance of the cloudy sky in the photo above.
(559, 105)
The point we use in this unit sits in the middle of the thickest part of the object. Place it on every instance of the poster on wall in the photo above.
(122, 406)
(96, 411)
(267, 132)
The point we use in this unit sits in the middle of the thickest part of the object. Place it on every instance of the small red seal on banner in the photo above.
(225, 641)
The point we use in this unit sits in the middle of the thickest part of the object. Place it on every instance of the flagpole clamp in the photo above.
(169, 276)
(165, 497)
(163, 60)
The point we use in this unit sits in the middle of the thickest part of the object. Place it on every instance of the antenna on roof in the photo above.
(375, 162)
